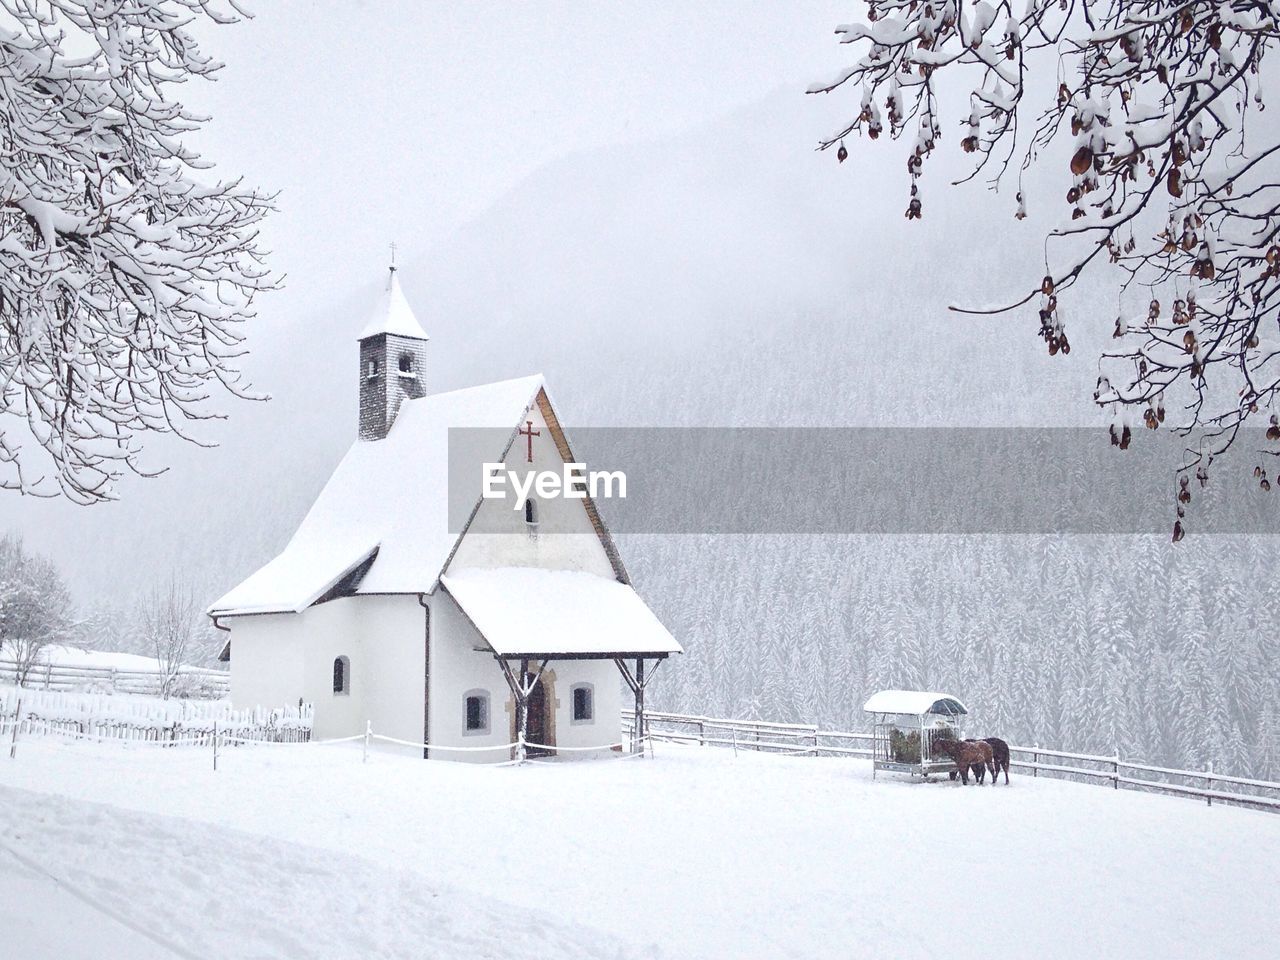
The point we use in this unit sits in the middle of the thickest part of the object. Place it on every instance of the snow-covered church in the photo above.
(513, 625)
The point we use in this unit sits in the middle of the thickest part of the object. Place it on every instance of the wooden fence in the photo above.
(27, 712)
(808, 740)
(193, 682)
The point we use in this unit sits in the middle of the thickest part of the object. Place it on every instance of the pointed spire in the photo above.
(394, 315)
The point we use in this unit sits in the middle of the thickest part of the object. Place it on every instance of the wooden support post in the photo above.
(640, 724)
(13, 742)
(522, 711)
(1035, 761)
(520, 690)
(637, 681)
(1208, 783)
(1115, 771)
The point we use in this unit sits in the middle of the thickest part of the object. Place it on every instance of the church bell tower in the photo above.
(393, 353)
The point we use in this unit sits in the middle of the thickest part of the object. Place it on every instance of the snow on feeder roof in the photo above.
(914, 703)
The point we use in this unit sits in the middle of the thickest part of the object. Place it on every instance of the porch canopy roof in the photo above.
(558, 614)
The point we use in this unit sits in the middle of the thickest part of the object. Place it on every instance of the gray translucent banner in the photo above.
(872, 480)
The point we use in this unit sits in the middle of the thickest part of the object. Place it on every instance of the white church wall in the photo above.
(393, 630)
(266, 661)
(565, 538)
(331, 630)
(456, 668)
(606, 682)
(278, 659)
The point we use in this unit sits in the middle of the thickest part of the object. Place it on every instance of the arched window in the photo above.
(342, 675)
(584, 703)
(531, 514)
(475, 718)
(406, 363)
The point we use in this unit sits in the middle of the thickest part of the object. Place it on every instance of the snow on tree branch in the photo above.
(126, 279)
(1169, 178)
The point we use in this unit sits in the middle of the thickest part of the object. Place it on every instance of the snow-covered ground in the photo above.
(303, 851)
(64, 656)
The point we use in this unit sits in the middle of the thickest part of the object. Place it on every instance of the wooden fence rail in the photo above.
(194, 682)
(808, 740)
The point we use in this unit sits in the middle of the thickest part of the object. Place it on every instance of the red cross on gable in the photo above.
(529, 433)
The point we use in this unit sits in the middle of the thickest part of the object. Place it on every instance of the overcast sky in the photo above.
(401, 119)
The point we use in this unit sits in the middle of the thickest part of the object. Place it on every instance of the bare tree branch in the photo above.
(126, 278)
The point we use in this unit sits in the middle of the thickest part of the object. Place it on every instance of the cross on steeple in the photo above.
(393, 256)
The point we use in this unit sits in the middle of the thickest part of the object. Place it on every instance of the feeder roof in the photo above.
(914, 702)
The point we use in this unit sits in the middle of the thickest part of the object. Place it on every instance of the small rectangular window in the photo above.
(477, 720)
(583, 708)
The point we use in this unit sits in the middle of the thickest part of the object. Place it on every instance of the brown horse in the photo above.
(967, 754)
(999, 757)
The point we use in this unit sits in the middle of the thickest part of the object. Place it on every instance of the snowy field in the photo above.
(294, 852)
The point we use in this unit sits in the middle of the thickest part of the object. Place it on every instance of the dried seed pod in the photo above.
(1082, 161)
(1178, 532)
(1174, 183)
(842, 154)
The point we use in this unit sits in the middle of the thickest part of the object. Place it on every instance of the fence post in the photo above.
(1035, 762)
(735, 743)
(1208, 783)
(13, 743)
(48, 673)
(368, 732)
(1115, 771)
(215, 742)
(702, 734)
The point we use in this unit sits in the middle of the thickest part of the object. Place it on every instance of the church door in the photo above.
(537, 728)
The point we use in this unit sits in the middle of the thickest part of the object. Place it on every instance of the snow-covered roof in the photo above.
(394, 315)
(525, 611)
(390, 495)
(915, 702)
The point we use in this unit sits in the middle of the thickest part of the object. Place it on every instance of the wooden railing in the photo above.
(194, 682)
(809, 740)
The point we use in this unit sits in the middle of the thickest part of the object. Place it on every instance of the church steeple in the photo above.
(393, 348)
